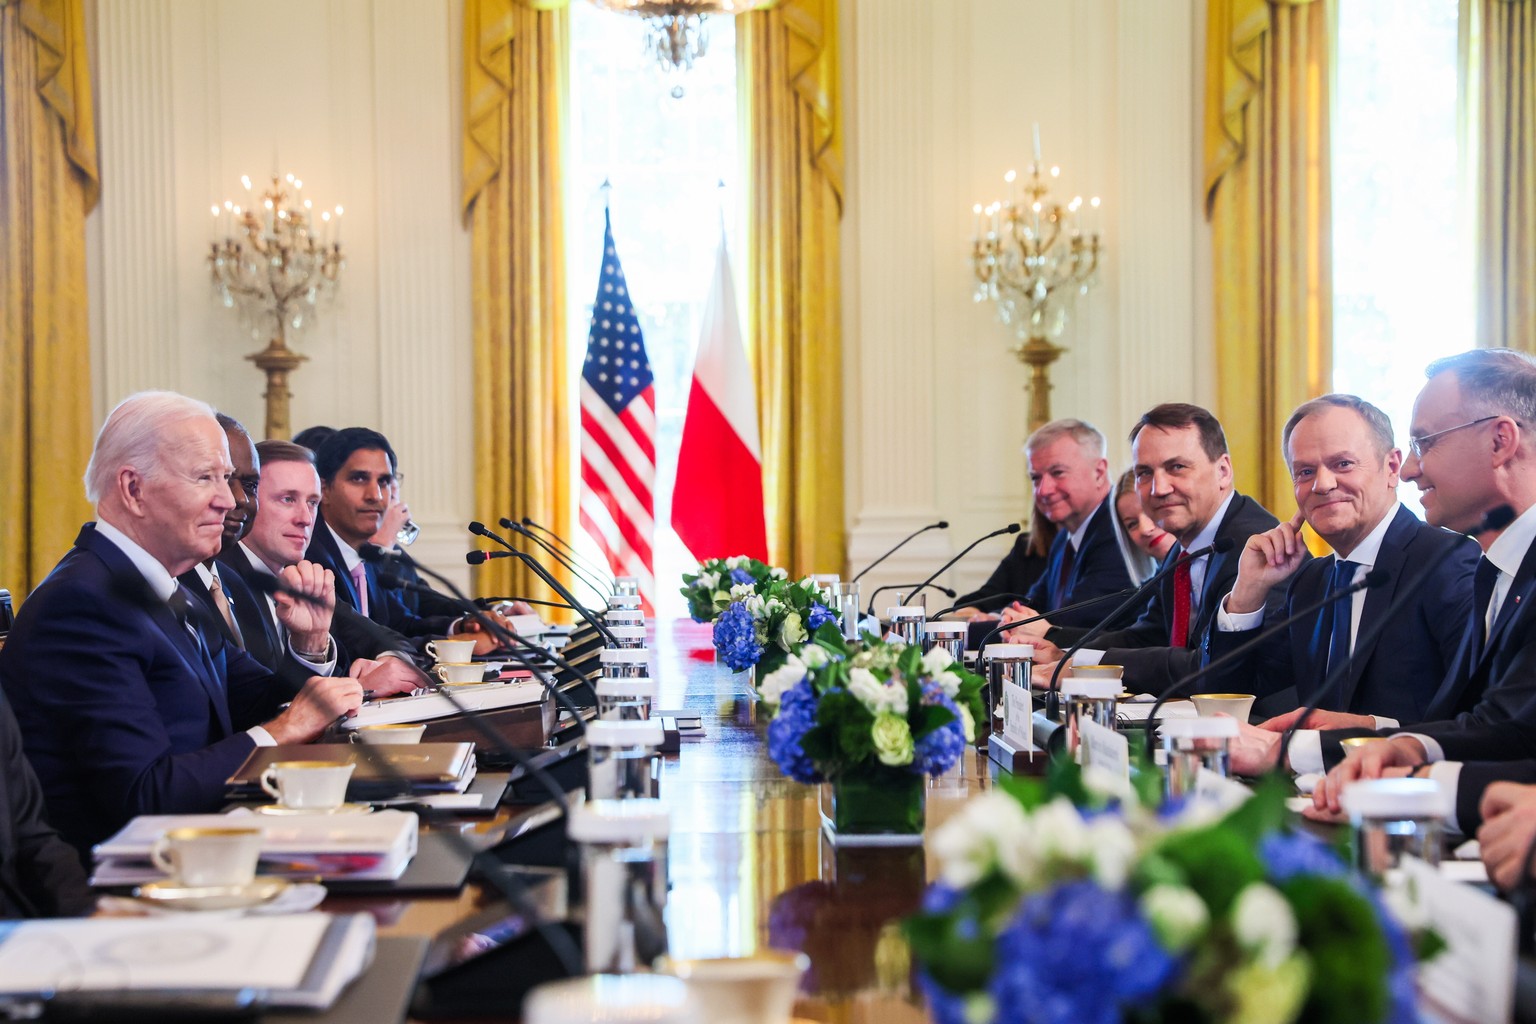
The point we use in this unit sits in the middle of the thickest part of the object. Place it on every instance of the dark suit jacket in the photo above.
(384, 606)
(257, 629)
(120, 713)
(40, 874)
(1485, 709)
(1014, 575)
(1150, 664)
(1098, 571)
(1397, 673)
(1473, 782)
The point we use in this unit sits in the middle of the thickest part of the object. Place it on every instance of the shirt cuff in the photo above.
(1383, 722)
(1235, 622)
(1448, 775)
(320, 668)
(1306, 753)
(261, 736)
(1086, 657)
(1432, 750)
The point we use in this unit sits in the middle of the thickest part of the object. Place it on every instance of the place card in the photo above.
(1021, 709)
(1474, 977)
(1106, 750)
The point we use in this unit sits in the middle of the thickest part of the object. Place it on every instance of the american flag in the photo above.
(618, 430)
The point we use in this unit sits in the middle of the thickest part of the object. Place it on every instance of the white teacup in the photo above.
(1238, 705)
(452, 651)
(209, 856)
(396, 732)
(308, 785)
(756, 989)
(459, 673)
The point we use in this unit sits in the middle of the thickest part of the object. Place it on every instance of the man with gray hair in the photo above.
(1070, 476)
(1344, 467)
(126, 706)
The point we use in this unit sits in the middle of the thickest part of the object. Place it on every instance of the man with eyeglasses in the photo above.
(1473, 450)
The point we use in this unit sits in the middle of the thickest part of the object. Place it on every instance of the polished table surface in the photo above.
(748, 864)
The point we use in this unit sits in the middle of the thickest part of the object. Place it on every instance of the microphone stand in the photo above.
(523, 531)
(1010, 528)
(575, 555)
(555, 585)
(942, 524)
(946, 591)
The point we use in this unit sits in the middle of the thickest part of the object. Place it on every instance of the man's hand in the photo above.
(1509, 828)
(1016, 611)
(317, 706)
(390, 524)
(1269, 558)
(1366, 763)
(388, 677)
(308, 622)
(1319, 720)
(1255, 751)
(485, 641)
(973, 615)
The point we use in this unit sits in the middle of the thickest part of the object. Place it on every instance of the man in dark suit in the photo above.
(1184, 477)
(1472, 450)
(126, 706)
(1070, 476)
(40, 874)
(1344, 468)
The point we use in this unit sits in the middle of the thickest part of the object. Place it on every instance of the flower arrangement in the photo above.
(1054, 907)
(850, 707)
(708, 590)
(765, 622)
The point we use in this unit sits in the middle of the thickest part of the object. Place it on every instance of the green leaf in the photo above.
(960, 963)
(1217, 863)
(1030, 792)
(1350, 958)
(927, 717)
(1262, 813)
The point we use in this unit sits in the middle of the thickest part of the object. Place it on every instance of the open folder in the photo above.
(295, 960)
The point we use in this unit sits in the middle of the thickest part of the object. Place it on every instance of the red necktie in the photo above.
(1179, 634)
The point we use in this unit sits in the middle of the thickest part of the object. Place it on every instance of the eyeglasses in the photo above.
(1420, 445)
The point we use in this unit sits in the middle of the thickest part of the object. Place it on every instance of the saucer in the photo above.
(342, 809)
(174, 895)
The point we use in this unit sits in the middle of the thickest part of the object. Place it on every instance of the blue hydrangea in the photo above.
(819, 614)
(736, 638)
(944, 1005)
(937, 752)
(739, 575)
(1076, 954)
(1288, 854)
(797, 714)
(1402, 986)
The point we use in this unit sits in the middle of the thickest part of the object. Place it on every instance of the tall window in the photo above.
(1402, 256)
(665, 142)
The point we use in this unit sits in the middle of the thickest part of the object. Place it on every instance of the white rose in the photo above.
(815, 656)
(708, 581)
(876, 696)
(1263, 924)
(785, 677)
(937, 660)
(792, 632)
(988, 831)
(1113, 851)
(949, 683)
(774, 606)
(736, 562)
(778, 574)
(742, 591)
(1177, 914)
(1061, 833)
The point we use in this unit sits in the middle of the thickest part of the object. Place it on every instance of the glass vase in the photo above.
(881, 803)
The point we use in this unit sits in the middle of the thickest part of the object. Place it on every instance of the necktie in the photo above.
(182, 608)
(359, 576)
(1483, 581)
(1178, 635)
(221, 602)
(1339, 615)
(1064, 576)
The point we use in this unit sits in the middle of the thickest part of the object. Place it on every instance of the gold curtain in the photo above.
(48, 184)
(1267, 88)
(515, 71)
(788, 67)
(1505, 132)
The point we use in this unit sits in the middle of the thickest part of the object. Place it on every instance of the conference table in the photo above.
(749, 867)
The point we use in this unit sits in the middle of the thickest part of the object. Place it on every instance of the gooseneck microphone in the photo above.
(570, 549)
(942, 524)
(1075, 606)
(1220, 547)
(1493, 520)
(913, 587)
(1010, 528)
(1373, 578)
(554, 584)
(522, 531)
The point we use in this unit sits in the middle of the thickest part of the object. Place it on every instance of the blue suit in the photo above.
(1397, 673)
(384, 606)
(120, 712)
(1098, 570)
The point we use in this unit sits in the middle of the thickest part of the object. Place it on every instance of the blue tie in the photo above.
(1341, 612)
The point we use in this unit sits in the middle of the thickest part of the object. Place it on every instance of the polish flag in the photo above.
(717, 501)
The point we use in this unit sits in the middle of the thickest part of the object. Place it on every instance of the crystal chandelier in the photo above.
(1032, 255)
(675, 32)
(278, 260)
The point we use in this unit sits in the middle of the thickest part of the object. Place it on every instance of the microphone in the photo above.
(1010, 528)
(946, 591)
(1076, 606)
(1221, 546)
(522, 531)
(942, 524)
(1374, 578)
(1493, 520)
(479, 557)
(566, 545)
(545, 575)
